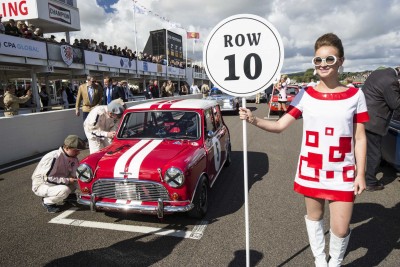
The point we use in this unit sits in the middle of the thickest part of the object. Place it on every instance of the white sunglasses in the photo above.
(329, 60)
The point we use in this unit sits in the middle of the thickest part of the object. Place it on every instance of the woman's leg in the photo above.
(340, 233)
(315, 229)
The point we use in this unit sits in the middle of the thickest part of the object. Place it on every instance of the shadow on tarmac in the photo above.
(130, 252)
(378, 235)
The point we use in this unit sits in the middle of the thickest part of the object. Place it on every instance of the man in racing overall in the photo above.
(54, 177)
(101, 124)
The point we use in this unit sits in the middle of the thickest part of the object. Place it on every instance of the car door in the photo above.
(213, 133)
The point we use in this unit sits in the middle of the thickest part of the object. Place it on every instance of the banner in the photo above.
(193, 35)
(16, 46)
(94, 58)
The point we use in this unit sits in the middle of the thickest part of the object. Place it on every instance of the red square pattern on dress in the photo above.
(343, 148)
(348, 170)
(312, 138)
(328, 131)
(314, 161)
(330, 174)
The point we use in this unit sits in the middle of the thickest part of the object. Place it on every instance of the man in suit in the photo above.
(382, 94)
(90, 94)
(112, 91)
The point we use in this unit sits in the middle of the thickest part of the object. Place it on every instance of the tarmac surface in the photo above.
(78, 237)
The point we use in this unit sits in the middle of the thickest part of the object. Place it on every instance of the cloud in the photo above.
(369, 29)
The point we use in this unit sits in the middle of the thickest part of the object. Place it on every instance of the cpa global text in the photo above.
(21, 46)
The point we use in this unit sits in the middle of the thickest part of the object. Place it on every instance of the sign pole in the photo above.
(246, 187)
(243, 55)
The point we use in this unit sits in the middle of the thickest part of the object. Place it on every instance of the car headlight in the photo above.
(84, 173)
(174, 177)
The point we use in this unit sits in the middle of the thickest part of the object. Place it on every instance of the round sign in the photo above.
(243, 55)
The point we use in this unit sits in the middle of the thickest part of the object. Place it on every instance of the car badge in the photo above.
(177, 143)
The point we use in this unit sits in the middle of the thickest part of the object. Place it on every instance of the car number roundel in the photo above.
(217, 152)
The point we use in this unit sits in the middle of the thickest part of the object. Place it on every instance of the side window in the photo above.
(217, 117)
(208, 121)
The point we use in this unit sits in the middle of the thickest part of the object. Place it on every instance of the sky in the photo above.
(369, 29)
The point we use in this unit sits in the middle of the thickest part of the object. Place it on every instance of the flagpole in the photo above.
(134, 27)
(166, 50)
(186, 48)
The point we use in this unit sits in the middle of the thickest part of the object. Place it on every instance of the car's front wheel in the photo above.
(200, 200)
(228, 157)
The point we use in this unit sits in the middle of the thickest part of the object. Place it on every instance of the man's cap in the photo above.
(116, 106)
(74, 142)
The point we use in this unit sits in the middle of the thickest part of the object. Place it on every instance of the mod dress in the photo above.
(326, 166)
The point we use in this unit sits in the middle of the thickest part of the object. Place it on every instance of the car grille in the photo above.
(129, 189)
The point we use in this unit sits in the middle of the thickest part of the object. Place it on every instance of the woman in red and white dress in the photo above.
(282, 97)
(331, 164)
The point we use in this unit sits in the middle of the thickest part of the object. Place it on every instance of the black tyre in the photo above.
(228, 157)
(200, 200)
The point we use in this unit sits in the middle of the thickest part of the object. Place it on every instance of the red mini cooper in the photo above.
(165, 157)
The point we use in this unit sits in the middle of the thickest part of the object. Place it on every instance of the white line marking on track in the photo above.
(196, 233)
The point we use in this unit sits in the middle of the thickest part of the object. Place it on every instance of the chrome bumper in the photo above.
(158, 210)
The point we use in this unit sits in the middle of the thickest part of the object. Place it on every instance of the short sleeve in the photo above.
(296, 106)
(361, 114)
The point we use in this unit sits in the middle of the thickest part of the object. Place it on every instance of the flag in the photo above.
(193, 35)
(139, 10)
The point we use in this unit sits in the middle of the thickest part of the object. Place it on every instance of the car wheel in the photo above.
(200, 200)
(236, 112)
(228, 157)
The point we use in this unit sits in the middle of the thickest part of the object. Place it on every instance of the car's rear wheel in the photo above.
(200, 200)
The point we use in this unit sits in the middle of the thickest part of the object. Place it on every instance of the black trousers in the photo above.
(374, 156)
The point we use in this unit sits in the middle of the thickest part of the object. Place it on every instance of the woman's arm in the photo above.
(360, 153)
(269, 126)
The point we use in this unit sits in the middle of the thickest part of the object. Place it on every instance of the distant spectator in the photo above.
(52, 39)
(76, 43)
(184, 89)
(64, 96)
(44, 97)
(38, 34)
(155, 92)
(2, 28)
(312, 83)
(127, 90)
(11, 28)
(349, 82)
(92, 45)
(205, 89)
(194, 89)
(63, 42)
(111, 91)
(20, 25)
(147, 90)
(26, 31)
(163, 90)
(11, 101)
(170, 88)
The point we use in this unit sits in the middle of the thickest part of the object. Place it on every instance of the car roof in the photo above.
(176, 104)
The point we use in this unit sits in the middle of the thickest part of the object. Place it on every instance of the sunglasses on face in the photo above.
(329, 60)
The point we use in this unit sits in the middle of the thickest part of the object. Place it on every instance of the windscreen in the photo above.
(161, 124)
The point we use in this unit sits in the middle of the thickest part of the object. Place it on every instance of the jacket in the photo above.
(11, 103)
(382, 94)
(83, 96)
(54, 168)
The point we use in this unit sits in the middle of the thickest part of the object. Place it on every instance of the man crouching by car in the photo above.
(54, 178)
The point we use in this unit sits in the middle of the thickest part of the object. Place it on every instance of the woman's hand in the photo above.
(359, 185)
(245, 114)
